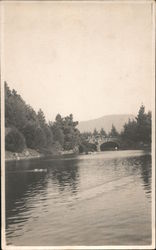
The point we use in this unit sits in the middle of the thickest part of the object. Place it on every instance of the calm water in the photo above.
(99, 199)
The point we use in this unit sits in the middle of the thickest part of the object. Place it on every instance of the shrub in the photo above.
(14, 141)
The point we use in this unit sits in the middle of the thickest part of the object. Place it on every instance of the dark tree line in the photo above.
(137, 133)
(30, 129)
(113, 132)
(26, 128)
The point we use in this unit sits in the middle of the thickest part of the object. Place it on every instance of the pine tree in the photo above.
(41, 118)
(113, 132)
(102, 132)
(95, 132)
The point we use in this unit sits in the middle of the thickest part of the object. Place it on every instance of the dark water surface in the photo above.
(99, 199)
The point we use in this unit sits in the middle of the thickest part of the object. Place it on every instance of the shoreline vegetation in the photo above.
(32, 155)
(29, 154)
(28, 135)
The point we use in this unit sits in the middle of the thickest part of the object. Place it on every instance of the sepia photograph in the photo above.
(78, 124)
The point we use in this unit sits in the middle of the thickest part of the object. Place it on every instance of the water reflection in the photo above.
(81, 201)
(140, 166)
(146, 173)
(65, 174)
(137, 166)
(20, 184)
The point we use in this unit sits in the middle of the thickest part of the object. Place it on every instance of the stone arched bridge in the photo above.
(103, 140)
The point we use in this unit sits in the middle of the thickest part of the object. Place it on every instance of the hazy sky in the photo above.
(90, 59)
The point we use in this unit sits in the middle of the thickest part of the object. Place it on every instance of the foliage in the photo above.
(39, 138)
(65, 132)
(30, 124)
(103, 133)
(113, 132)
(95, 132)
(34, 135)
(143, 126)
(86, 147)
(85, 135)
(29, 133)
(138, 132)
(41, 118)
(15, 114)
(30, 129)
(49, 136)
(129, 134)
(14, 141)
(71, 133)
(58, 134)
(34, 128)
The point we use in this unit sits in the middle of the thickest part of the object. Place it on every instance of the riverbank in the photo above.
(25, 155)
(33, 154)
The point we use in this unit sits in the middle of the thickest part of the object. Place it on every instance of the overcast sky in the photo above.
(90, 59)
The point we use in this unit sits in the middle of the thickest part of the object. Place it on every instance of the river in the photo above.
(98, 199)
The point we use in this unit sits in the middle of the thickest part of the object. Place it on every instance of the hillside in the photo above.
(105, 122)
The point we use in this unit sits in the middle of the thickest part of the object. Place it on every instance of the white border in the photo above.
(4, 246)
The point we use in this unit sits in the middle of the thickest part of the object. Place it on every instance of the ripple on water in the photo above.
(99, 199)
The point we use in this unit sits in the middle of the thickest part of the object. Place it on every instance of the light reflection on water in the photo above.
(99, 199)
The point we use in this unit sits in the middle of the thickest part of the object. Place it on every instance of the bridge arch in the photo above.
(105, 142)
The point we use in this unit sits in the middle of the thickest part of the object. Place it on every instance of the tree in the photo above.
(141, 117)
(34, 135)
(138, 132)
(85, 135)
(39, 139)
(58, 135)
(31, 115)
(49, 136)
(9, 115)
(41, 118)
(7, 90)
(95, 132)
(87, 147)
(71, 133)
(148, 127)
(38, 134)
(103, 133)
(15, 109)
(143, 125)
(113, 132)
(45, 129)
(129, 134)
(29, 134)
(58, 119)
(15, 141)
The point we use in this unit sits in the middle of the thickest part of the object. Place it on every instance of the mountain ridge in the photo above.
(105, 122)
